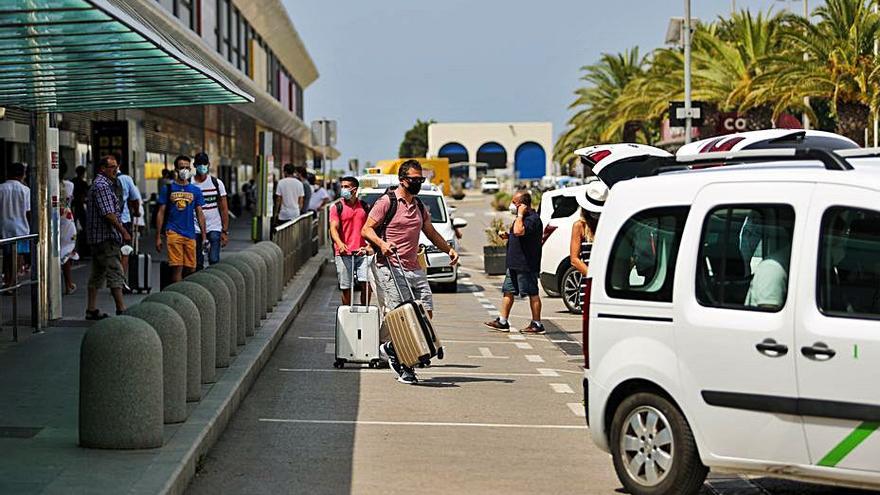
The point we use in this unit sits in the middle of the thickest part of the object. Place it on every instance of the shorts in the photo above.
(417, 281)
(343, 270)
(520, 283)
(106, 266)
(181, 250)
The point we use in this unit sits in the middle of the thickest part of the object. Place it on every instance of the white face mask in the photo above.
(514, 209)
(184, 174)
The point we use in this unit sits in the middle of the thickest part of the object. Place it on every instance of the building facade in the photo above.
(521, 150)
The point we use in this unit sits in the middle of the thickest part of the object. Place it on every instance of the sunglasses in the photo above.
(416, 180)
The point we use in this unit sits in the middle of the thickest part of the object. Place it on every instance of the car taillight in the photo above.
(547, 231)
(597, 156)
(585, 325)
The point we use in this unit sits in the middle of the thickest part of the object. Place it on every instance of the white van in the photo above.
(733, 321)
(443, 276)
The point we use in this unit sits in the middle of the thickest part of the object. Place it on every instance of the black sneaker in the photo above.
(408, 376)
(391, 358)
(496, 325)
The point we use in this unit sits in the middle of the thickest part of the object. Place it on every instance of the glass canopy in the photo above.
(70, 55)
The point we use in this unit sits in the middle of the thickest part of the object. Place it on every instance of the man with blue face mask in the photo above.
(347, 219)
(216, 211)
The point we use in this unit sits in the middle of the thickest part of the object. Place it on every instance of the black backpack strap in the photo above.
(216, 183)
(339, 211)
(389, 215)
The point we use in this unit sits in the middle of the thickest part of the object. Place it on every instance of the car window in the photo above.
(849, 263)
(644, 255)
(564, 206)
(744, 257)
(434, 204)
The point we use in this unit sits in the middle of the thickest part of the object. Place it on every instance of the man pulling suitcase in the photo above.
(393, 227)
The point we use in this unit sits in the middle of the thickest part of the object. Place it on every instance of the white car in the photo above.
(734, 321)
(489, 185)
(444, 277)
(559, 210)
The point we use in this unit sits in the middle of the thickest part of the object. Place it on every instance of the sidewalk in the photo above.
(39, 397)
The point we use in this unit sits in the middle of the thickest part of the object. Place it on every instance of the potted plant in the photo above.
(501, 201)
(495, 252)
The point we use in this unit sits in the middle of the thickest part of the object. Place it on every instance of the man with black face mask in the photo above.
(394, 224)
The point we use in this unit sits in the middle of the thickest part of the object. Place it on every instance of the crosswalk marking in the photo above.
(330, 349)
(523, 345)
(516, 337)
(534, 358)
(421, 423)
(547, 372)
(486, 353)
(577, 408)
(561, 388)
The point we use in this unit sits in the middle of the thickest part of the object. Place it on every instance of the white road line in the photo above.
(469, 214)
(523, 345)
(478, 294)
(421, 423)
(534, 358)
(577, 408)
(516, 337)
(494, 313)
(561, 388)
(434, 371)
(484, 300)
(478, 342)
(485, 353)
(330, 349)
(315, 338)
(565, 342)
(547, 372)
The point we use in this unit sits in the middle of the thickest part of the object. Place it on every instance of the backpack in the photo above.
(392, 210)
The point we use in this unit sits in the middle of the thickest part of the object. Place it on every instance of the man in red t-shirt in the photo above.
(347, 218)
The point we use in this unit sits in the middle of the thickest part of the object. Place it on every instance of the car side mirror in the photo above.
(459, 223)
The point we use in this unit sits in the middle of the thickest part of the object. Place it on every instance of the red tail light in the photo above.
(597, 156)
(585, 325)
(547, 231)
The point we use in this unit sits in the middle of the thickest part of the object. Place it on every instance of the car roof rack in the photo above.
(830, 159)
(858, 152)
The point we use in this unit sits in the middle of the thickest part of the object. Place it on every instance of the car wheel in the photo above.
(572, 294)
(653, 448)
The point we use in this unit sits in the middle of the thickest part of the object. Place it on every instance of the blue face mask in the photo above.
(346, 194)
(202, 169)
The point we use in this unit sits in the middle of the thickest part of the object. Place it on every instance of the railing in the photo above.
(295, 240)
(17, 284)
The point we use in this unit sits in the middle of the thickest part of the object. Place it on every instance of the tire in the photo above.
(572, 295)
(671, 438)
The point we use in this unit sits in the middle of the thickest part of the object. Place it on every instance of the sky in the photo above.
(385, 63)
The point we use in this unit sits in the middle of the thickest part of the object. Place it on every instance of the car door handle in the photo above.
(771, 348)
(818, 352)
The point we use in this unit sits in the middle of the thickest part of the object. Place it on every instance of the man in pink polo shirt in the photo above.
(347, 218)
(401, 233)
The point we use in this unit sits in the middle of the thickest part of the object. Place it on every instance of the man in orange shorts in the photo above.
(180, 204)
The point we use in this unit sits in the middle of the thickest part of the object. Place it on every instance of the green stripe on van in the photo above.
(853, 440)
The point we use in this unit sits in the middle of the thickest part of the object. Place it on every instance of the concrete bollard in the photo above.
(222, 303)
(172, 333)
(198, 349)
(278, 264)
(275, 273)
(271, 284)
(255, 262)
(242, 311)
(250, 279)
(120, 385)
(235, 295)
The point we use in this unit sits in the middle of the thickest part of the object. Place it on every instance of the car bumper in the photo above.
(439, 270)
(550, 281)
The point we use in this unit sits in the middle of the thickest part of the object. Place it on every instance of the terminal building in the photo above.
(520, 150)
(252, 43)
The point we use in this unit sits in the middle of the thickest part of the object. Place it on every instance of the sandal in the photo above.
(96, 315)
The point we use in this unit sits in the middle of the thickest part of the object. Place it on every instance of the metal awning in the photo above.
(72, 55)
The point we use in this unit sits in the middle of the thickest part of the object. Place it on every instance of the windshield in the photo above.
(434, 204)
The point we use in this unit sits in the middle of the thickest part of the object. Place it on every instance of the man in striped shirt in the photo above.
(216, 211)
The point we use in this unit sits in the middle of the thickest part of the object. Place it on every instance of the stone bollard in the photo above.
(275, 273)
(278, 264)
(271, 284)
(235, 295)
(222, 303)
(256, 263)
(120, 385)
(198, 349)
(242, 311)
(172, 332)
(250, 279)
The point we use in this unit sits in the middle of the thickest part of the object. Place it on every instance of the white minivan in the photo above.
(733, 321)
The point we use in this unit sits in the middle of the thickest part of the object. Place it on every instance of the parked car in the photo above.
(489, 185)
(731, 317)
(443, 276)
(559, 210)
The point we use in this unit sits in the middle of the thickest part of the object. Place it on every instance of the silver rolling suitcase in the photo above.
(357, 331)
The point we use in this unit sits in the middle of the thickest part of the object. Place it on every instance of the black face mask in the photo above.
(414, 187)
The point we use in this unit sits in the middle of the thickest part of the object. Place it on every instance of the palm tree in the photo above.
(596, 102)
(833, 59)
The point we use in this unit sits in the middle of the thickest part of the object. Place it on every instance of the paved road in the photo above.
(501, 414)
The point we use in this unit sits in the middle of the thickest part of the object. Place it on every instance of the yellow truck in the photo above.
(435, 169)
